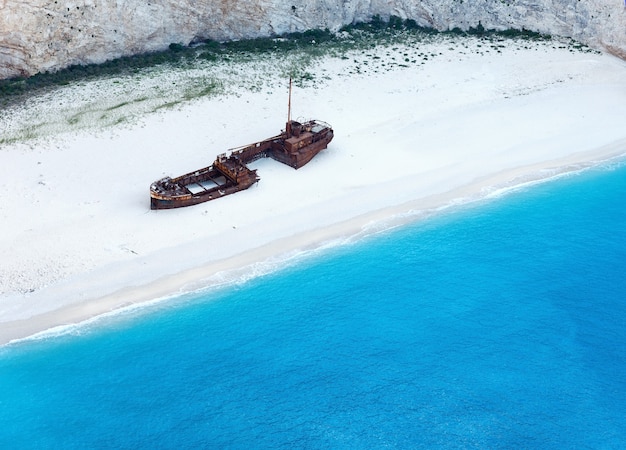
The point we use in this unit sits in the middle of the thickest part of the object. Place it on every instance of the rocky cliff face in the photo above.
(40, 35)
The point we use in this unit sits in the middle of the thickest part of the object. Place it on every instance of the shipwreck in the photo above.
(229, 173)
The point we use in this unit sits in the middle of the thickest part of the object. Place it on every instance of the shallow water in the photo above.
(501, 324)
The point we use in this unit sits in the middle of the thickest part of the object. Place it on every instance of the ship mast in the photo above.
(288, 127)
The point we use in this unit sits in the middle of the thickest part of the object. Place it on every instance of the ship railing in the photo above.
(320, 123)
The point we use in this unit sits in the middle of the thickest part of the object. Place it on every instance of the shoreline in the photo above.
(79, 240)
(196, 279)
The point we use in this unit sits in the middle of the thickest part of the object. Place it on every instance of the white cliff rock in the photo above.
(40, 35)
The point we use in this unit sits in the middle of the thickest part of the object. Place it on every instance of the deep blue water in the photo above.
(501, 324)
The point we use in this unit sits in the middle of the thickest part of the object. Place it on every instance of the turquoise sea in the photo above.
(500, 324)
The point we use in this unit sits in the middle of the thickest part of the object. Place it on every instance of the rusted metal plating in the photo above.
(229, 173)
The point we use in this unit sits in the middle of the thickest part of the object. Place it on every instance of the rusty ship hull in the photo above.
(196, 187)
(228, 174)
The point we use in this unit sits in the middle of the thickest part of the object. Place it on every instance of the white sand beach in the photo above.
(78, 238)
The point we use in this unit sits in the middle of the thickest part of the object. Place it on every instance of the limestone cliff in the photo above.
(39, 35)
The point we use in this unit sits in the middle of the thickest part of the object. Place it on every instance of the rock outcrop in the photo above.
(40, 35)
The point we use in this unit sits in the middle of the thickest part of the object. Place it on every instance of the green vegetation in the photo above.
(310, 43)
(122, 90)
